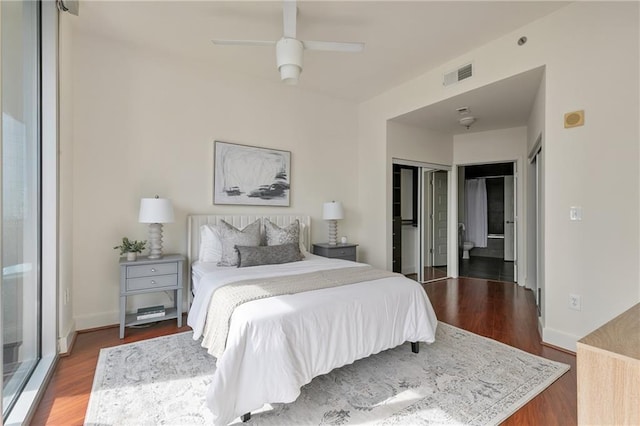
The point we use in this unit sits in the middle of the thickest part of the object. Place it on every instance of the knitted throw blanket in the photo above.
(227, 298)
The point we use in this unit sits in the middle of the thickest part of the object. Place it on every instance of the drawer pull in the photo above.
(153, 269)
(153, 281)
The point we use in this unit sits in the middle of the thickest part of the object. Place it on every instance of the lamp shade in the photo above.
(332, 211)
(155, 210)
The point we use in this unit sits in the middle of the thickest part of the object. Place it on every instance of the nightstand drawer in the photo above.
(145, 283)
(338, 251)
(152, 270)
(342, 253)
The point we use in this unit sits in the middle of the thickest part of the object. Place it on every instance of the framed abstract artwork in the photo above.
(250, 175)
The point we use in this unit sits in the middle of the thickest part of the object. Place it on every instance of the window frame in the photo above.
(25, 405)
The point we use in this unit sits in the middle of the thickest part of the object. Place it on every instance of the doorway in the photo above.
(487, 222)
(420, 216)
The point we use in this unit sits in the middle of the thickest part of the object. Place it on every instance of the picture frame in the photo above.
(251, 175)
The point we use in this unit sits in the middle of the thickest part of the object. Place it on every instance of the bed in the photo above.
(275, 345)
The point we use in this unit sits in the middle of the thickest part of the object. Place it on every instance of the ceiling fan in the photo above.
(289, 50)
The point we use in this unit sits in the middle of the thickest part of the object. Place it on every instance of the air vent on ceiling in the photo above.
(460, 74)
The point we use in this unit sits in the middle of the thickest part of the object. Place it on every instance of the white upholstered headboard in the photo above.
(195, 221)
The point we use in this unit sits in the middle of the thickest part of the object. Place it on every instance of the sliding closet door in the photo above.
(440, 212)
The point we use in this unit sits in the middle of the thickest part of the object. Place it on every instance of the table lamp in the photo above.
(333, 212)
(155, 212)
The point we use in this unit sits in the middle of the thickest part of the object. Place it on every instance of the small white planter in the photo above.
(131, 256)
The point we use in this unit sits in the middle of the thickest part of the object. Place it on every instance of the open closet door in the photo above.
(420, 237)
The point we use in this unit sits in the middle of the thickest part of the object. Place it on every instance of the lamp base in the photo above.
(155, 240)
(333, 232)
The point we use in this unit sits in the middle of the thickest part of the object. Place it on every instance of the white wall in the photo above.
(591, 54)
(499, 146)
(144, 124)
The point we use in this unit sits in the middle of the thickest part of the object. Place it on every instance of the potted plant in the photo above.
(131, 248)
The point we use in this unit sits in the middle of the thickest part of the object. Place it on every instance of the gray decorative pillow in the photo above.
(230, 237)
(276, 236)
(268, 255)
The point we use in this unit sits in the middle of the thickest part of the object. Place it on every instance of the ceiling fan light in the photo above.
(289, 73)
(289, 59)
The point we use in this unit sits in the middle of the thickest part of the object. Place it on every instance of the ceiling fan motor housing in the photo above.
(289, 59)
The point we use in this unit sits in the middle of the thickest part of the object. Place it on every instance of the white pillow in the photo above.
(210, 245)
(303, 239)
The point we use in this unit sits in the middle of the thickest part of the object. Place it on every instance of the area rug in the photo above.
(461, 379)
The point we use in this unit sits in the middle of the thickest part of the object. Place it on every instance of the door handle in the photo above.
(509, 221)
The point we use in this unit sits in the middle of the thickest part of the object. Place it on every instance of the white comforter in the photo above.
(277, 345)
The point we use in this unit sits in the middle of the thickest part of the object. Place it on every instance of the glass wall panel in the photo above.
(20, 195)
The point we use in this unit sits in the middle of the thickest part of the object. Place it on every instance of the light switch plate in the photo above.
(575, 213)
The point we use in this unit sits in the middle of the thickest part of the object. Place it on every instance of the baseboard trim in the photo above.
(558, 339)
(558, 348)
(104, 327)
(65, 343)
(69, 347)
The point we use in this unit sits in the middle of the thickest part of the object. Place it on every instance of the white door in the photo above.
(509, 222)
(439, 218)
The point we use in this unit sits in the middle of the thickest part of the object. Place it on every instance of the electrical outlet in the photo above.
(575, 302)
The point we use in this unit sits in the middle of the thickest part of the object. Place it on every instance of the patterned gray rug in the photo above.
(461, 379)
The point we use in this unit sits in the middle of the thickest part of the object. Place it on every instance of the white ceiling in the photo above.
(503, 104)
(403, 39)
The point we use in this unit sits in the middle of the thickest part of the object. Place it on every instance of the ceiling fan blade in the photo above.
(334, 46)
(289, 13)
(244, 42)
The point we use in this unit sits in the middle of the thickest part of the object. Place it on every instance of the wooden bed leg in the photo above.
(245, 417)
(415, 347)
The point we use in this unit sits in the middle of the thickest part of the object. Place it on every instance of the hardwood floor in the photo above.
(499, 310)
(506, 312)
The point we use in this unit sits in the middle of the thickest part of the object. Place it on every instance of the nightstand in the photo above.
(150, 276)
(339, 251)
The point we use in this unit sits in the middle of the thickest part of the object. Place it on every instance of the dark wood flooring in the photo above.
(499, 310)
(489, 268)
